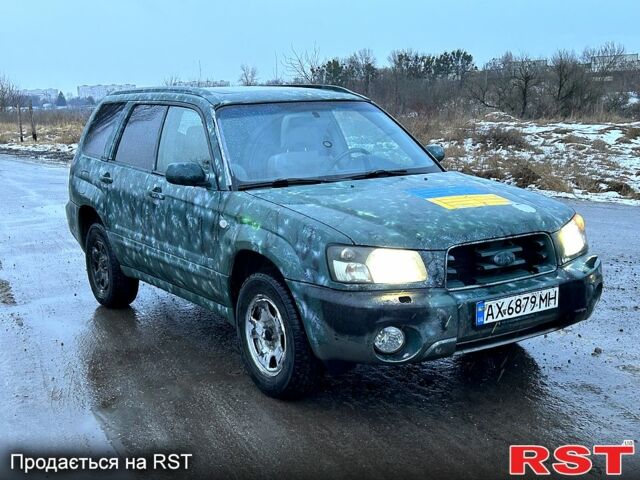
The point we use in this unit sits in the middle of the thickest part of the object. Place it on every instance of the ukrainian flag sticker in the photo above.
(453, 198)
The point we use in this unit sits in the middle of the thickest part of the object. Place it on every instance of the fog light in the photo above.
(389, 340)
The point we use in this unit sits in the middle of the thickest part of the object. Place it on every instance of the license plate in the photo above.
(518, 305)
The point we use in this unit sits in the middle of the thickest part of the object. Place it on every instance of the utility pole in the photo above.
(20, 123)
(34, 134)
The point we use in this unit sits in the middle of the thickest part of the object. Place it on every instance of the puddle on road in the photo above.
(167, 375)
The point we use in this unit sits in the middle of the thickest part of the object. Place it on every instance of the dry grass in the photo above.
(497, 137)
(600, 146)
(52, 126)
(455, 151)
(63, 133)
(622, 188)
(574, 139)
(632, 133)
(500, 153)
(426, 129)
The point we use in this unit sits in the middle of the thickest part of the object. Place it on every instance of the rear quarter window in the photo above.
(101, 129)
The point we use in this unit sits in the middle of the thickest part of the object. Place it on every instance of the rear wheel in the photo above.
(110, 286)
(274, 345)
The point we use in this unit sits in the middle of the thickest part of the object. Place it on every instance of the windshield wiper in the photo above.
(378, 173)
(282, 182)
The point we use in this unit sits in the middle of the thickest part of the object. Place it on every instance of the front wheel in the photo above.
(274, 345)
(110, 286)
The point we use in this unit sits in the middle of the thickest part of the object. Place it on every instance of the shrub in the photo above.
(600, 145)
(632, 133)
(497, 137)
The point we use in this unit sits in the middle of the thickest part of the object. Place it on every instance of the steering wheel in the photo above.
(347, 153)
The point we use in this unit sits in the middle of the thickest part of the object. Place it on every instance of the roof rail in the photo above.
(333, 88)
(155, 89)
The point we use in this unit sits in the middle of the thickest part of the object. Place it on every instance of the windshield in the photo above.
(323, 141)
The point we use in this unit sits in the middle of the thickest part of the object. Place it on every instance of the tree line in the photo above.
(599, 81)
(603, 80)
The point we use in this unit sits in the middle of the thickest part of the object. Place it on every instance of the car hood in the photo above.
(423, 212)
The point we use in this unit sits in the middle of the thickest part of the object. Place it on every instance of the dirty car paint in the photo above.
(188, 243)
(393, 212)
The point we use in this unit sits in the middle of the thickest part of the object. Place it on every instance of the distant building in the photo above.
(97, 92)
(43, 95)
(611, 63)
(538, 64)
(200, 83)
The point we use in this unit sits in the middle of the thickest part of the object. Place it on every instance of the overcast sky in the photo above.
(68, 43)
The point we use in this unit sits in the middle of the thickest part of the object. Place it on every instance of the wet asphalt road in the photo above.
(166, 375)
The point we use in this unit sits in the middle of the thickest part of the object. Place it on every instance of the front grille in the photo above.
(501, 260)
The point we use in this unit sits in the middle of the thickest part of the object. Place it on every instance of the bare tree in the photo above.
(8, 93)
(526, 75)
(570, 84)
(492, 87)
(363, 65)
(304, 66)
(171, 81)
(604, 59)
(248, 75)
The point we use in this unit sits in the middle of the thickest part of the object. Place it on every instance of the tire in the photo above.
(109, 285)
(286, 371)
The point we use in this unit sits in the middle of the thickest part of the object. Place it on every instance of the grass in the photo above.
(574, 139)
(632, 133)
(498, 137)
(600, 146)
(505, 154)
(52, 126)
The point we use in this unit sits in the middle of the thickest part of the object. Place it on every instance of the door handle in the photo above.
(106, 178)
(156, 192)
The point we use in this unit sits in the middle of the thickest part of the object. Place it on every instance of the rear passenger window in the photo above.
(138, 143)
(184, 139)
(101, 129)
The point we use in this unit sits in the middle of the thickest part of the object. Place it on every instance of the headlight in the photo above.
(375, 265)
(571, 240)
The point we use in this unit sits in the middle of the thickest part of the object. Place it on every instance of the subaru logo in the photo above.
(504, 259)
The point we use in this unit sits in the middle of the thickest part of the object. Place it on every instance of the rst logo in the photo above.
(567, 459)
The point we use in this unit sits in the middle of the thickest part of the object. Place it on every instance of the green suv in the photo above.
(323, 231)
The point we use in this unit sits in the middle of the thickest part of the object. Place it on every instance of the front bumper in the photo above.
(342, 325)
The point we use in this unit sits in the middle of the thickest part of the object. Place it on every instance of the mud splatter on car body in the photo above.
(189, 241)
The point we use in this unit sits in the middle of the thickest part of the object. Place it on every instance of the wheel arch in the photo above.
(246, 262)
(87, 216)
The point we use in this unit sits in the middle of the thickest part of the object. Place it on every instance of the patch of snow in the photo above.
(41, 150)
(606, 152)
(610, 197)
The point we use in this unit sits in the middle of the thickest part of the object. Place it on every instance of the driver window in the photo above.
(184, 139)
(362, 133)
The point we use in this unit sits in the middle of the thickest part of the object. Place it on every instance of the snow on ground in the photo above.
(45, 151)
(599, 162)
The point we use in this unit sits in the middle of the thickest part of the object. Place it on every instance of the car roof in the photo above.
(220, 96)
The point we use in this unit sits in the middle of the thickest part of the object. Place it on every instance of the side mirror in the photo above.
(437, 151)
(187, 173)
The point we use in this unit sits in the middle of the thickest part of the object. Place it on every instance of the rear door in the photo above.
(130, 200)
(183, 222)
(91, 172)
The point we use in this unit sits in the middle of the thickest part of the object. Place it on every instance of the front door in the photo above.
(184, 219)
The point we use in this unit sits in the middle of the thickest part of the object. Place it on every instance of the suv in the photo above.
(319, 227)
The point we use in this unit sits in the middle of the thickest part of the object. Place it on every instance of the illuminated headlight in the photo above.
(571, 240)
(375, 265)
